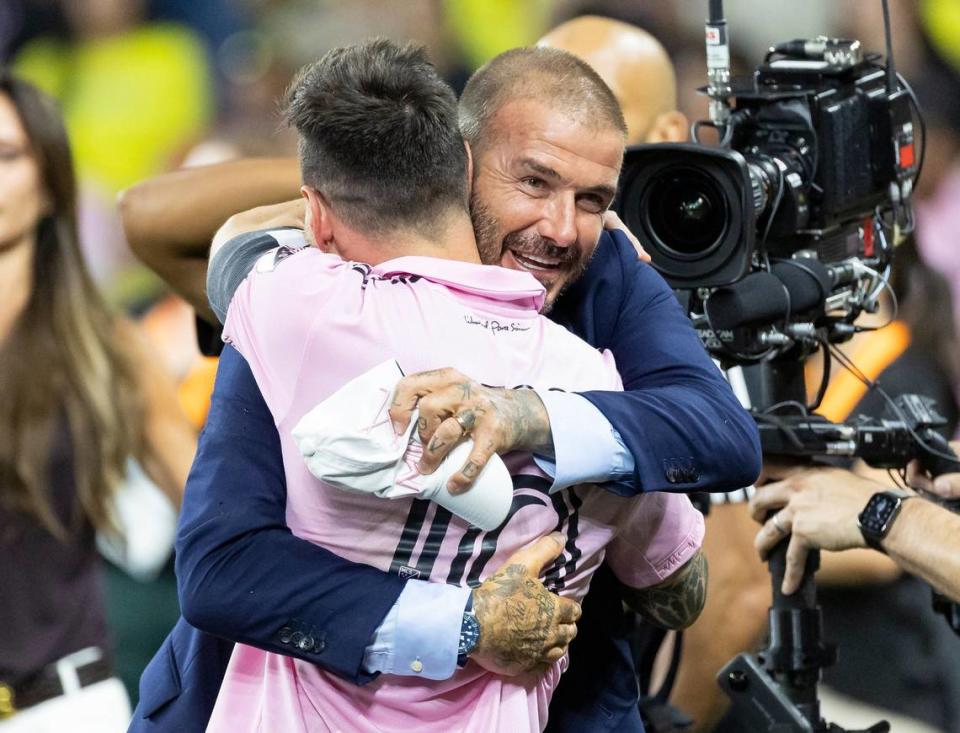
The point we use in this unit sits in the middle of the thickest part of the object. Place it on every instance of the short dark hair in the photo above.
(558, 78)
(379, 136)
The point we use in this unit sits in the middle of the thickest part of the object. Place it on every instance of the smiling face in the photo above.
(542, 181)
(22, 202)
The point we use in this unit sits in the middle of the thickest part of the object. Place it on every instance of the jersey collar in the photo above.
(489, 281)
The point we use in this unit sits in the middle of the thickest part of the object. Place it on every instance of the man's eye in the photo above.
(593, 204)
(534, 182)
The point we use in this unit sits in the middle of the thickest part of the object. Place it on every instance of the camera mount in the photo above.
(775, 691)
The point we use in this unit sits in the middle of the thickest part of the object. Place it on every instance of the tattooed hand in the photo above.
(454, 407)
(677, 601)
(523, 626)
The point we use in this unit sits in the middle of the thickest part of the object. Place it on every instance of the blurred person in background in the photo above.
(81, 397)
(135, 95)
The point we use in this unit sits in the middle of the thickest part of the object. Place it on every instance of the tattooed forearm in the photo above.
(676, 602)
(527, 420)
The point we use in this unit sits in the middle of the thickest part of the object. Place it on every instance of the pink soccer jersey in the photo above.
(307, 323)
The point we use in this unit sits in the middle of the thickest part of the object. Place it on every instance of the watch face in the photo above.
(469, 634)
(877, 515)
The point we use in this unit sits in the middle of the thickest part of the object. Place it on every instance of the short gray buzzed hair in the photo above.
(564, 81)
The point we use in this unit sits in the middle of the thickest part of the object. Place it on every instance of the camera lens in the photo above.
(687, 210)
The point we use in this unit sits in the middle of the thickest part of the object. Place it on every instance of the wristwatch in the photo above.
(878, 515)
(469, 633)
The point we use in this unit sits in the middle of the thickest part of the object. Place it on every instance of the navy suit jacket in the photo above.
(244, 577)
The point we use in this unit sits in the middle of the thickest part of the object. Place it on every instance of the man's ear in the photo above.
(318, 220)
(669, 127)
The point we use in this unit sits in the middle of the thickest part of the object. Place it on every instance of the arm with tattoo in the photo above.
(677, 601)
(522, 624)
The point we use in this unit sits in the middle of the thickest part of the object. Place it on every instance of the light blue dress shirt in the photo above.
(421, 633)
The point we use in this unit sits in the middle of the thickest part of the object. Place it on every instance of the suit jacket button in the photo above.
(305, 644)
(319, 645)
(285, 634)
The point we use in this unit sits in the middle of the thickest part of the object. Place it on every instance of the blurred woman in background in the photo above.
(79, 398)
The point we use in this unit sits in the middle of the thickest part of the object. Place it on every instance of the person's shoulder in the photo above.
(615, 252)
(262, 240)
(618, 261)
(576, 363)
(263, 251)
(257, 258)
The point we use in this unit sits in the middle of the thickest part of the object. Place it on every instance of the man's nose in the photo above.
(559, 221)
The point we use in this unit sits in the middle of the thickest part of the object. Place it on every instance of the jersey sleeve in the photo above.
(657, 535)
(233, 262)
(271, 316)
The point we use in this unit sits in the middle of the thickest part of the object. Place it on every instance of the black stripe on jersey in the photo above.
(431, 547)
(410, 534)
(527, 481)
(567, 504)
(489, 545)
(573, 532)
(464, 552)
(551, 576)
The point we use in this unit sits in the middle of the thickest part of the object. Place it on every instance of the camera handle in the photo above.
(775, 691)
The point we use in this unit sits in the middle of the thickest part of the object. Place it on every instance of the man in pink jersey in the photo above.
(386, 183)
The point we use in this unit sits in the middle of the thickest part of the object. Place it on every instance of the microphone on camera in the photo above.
(808, 281)
(793, 286)
(758, 298)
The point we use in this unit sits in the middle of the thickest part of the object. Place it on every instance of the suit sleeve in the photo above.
(241, 574)
(678, 417)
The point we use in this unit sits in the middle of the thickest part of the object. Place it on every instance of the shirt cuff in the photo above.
(586, 447)
(420, 635)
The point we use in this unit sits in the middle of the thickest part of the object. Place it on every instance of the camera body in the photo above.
(787, 217)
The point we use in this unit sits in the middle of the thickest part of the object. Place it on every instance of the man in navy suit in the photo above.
(244, 577)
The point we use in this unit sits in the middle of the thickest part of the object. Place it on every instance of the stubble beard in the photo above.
(491, 247)
(487, 230)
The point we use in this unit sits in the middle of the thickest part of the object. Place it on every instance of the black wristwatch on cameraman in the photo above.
(878, 516)
(469, 632)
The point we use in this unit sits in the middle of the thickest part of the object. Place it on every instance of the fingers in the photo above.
(946, 486)
(917, 477)
(796, 562)
(536, 556)
(292, 213)
(447, 435)
(562, 636)
(568, 611)
(612, 221)
(769, 498)
(554, 654)
(773, 532)
(411, 388)
(483, 449)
